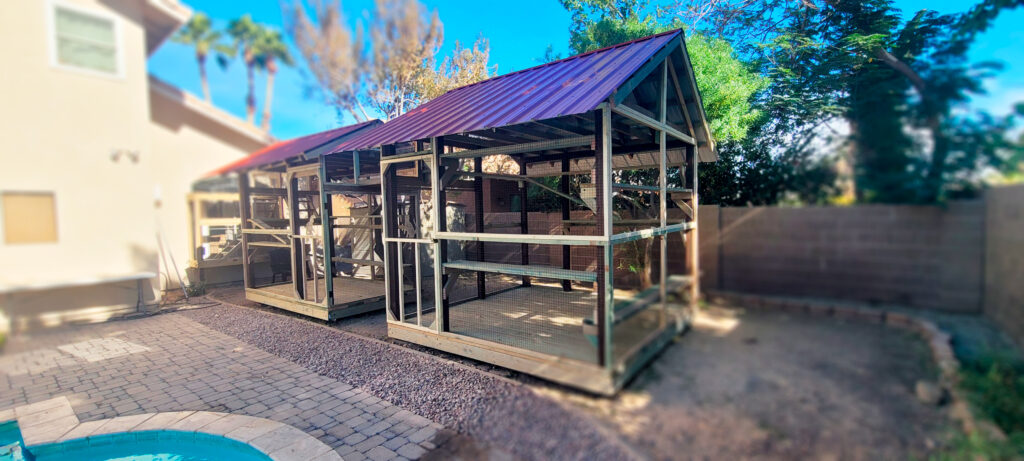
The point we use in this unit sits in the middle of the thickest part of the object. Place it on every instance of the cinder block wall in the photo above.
(921, 256)
(708, 242)
(965, 257)
(1004, 259)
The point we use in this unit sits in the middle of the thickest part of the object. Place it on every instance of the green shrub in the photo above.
(977, 447)
(195, 289)
(994, 386)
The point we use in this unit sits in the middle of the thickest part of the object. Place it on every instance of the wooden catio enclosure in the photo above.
(612, 139)
(315, 221)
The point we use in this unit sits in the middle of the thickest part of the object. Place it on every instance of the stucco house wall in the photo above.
(108, 150)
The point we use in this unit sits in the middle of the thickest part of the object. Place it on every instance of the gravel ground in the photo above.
(371, 325)
(487, 408)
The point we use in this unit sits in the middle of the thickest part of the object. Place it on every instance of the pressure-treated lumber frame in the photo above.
(316, 290)
(610, 129)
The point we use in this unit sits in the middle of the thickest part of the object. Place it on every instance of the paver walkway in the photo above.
(171, 363)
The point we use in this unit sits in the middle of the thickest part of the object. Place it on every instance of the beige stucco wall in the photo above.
(59, 128)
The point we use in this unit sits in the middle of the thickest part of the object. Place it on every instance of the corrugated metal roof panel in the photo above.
(283, 150)
(574, 85)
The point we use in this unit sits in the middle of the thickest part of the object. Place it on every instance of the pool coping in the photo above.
(54, 421)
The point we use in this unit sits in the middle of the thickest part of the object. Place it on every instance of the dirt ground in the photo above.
(765, 385)
(744, 385)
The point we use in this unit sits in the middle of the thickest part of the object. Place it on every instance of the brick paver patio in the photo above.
(170, 363)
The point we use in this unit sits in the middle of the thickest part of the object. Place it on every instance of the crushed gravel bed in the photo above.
(489, 409)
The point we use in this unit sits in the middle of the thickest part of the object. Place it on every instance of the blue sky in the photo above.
(519, 33)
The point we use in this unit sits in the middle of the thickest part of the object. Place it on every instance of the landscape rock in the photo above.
(929, 393)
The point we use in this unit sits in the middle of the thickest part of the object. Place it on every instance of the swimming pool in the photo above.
(161, 445)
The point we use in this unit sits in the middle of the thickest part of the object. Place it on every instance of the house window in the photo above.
(29, 217)
(85, 41)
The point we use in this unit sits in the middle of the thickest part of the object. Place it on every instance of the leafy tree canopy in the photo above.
(901, 85)
(726, 84)
(747, 171)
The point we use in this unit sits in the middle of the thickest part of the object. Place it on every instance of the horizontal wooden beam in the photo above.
(575, 141)
(653, 232)
(532, 271)
(267, 231)
(648, 188)
(276, 192)
(357, 226)
(638, 117)
(270, 244)
(407, 157)
(539, 239)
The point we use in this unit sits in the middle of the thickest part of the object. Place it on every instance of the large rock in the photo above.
(929, 393)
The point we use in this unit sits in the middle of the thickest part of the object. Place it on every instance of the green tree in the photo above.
(726, 84)
(465, 66)
(600, 23)
(244, 34)
(393, 71)
(748, 172)
(199, 33)
(403, 37)
(270, 50)
(900, 85)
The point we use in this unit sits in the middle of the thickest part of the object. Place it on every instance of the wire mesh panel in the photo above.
(638, 310)
(283, 227)
(267, 229)
(525, 307)
(408, 222)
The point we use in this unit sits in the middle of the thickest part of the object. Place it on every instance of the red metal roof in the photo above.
(283, 150)
(573, 85)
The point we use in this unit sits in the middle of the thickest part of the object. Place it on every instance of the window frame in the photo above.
(3, 217)
(51, 14)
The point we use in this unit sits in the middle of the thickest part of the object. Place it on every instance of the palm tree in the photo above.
(270, 49)
(199, 34)
(244, 34)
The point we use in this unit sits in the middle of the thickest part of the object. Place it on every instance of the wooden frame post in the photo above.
(478, 202)
(244, 214)
(440, 225)
(327, 225)
(389, 229)
(663, 191)
(297, 245)
(524, 217)
(694, 249)
(605, 276)
(355, 167)
(563, 187)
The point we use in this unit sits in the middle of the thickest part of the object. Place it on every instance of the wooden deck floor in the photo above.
(347, 290)
(548, 320)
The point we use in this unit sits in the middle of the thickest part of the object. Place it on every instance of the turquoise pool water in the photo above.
(132, 446)
(10, 442)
